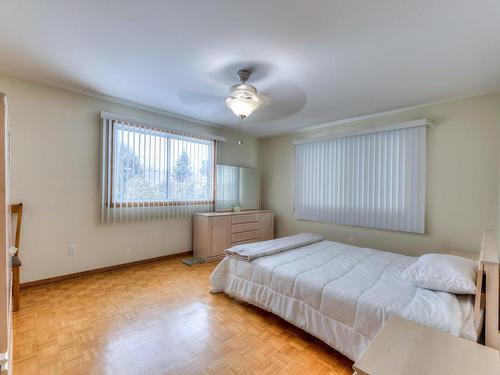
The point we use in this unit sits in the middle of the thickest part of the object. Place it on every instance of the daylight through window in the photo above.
(154, 166)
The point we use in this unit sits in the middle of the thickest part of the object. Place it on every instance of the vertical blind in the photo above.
(372, 180)
(153, 173)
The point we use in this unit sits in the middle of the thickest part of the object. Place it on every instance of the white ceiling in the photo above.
(316, 61)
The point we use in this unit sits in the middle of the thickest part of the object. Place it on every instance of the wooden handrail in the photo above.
(17, 209)
(16, 262)
(489, 265)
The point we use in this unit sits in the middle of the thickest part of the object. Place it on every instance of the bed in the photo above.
(342, 294)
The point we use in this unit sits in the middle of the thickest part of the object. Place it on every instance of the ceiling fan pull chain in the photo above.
(240, 140)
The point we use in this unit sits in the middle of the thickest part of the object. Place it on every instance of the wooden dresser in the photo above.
(215, 232)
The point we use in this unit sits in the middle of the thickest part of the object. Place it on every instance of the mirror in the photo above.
(236, 185)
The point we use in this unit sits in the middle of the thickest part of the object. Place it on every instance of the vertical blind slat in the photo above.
(109, 158)
(104, 142)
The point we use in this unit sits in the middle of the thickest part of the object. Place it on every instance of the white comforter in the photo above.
(341, 294)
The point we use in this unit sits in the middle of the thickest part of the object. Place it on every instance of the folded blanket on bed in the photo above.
(261, 249)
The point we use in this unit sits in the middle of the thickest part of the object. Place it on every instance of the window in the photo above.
(154, 166)
(375, 179)
(154, 172)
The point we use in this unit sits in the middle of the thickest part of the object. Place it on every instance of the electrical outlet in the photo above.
(71, 249)
(350, 239)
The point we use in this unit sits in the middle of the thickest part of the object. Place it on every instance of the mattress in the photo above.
(341, 294)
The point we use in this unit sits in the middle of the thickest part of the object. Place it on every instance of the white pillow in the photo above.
(443, 272)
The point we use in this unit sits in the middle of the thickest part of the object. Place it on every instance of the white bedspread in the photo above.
(341, 294)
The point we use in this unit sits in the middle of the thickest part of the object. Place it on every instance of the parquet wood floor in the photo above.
(158, 318)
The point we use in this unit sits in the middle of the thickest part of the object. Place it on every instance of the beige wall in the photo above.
(55, 143)
(463, 175)
(55, 135)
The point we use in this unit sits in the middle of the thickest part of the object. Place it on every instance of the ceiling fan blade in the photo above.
(279, 102)
(198, 98)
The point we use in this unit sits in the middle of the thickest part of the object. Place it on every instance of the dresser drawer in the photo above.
(244, 227)
(244, 218)
(244, 236)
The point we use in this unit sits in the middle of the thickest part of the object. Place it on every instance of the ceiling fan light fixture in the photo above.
(243, 100)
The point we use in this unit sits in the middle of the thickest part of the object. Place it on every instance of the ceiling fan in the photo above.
(278, 98)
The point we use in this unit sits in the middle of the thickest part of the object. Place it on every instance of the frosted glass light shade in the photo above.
(242, 107)
(243, 100)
